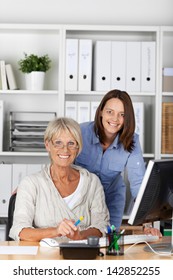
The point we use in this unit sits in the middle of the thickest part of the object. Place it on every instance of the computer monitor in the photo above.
(154, 201)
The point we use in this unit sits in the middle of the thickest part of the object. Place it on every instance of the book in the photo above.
(3, 75)
(11, 80)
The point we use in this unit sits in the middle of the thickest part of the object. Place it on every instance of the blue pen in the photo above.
(108, 229)
(78, 221)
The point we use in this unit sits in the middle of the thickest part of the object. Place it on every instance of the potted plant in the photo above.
(34, 68)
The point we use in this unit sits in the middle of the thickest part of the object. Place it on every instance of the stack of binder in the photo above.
(78, 64)
(27, 130)
(81, 111)
(124, 65)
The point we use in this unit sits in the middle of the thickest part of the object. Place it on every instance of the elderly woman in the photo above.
(49, 202)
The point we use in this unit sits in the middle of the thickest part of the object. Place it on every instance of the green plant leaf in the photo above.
(33, 62)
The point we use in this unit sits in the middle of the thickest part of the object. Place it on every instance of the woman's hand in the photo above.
(66, 228)
(153, 231)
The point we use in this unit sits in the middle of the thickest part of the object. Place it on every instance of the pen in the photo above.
(113, 228)
(78, 221)
(108, 229)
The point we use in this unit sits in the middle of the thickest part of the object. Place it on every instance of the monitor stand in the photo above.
(162, 247)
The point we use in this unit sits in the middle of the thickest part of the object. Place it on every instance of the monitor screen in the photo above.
(154, 201)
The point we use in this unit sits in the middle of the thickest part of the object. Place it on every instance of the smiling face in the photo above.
(62, 148)
(112, 117)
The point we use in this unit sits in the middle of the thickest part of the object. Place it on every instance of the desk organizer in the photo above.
(114, 244)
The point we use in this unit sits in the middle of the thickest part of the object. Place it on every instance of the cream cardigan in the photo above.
(39, 204)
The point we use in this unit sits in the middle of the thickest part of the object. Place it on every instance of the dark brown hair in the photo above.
(127, 131)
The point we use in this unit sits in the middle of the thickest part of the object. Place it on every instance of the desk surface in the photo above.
(135, 253)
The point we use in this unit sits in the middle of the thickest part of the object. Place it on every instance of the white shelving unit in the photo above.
(166, 60)
(51, 39)
(17, 39)
(150, 99)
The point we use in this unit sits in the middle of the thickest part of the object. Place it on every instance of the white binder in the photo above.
(1, 124)
(118, 69)
(71, 109)
(93, 107)
(148, 65)
(83, 111)
(5, 188)
(71, 64)
(102, 63)
(19, 171)
(85, 65)
(139, 120)
(133, 67)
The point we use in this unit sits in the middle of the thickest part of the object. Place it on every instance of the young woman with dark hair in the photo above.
(110, 148)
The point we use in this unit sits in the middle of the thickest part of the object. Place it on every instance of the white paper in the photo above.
(18, 250)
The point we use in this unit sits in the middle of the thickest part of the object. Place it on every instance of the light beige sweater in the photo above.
(39, 204)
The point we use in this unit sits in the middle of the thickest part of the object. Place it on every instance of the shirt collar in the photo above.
(95, 140)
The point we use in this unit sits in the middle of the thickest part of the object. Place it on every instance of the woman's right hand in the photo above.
(66, 228)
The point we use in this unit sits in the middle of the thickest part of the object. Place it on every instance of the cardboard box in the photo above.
(167, 80)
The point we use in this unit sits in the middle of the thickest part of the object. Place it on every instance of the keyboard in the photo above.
(128, 239)
(132, 238)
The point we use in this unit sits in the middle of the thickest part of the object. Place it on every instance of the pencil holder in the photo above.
(114, 244)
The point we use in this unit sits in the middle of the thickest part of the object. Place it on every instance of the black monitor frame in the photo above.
(154, 201)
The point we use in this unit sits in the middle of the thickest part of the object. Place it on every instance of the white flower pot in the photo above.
(35, 80)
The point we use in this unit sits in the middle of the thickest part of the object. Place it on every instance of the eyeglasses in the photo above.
(71, 145)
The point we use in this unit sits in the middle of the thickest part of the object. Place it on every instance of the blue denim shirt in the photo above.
(108, 166)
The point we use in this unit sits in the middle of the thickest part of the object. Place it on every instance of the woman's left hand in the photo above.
(153, 231)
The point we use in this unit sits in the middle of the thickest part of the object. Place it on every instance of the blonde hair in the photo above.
(64, 124)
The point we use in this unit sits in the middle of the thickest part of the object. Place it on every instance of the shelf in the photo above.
(167, 156)
(148, 155)
(23, 92)
(167, 94)
(101, 93)
(24, 154)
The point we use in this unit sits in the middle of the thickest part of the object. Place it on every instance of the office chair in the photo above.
(11, 207)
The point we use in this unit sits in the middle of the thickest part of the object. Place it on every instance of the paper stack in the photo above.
(27, 130)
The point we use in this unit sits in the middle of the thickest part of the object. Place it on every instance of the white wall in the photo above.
(130, 12)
